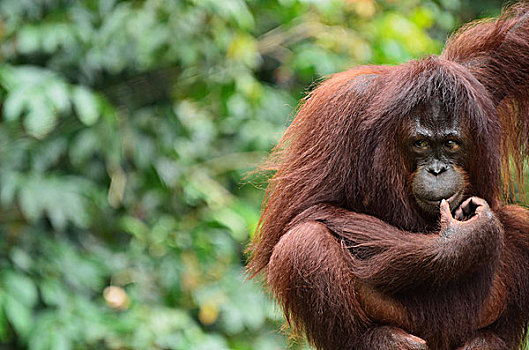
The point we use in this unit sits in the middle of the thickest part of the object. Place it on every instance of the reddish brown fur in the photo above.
(345, 249)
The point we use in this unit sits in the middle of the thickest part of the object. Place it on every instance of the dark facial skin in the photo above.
(437, 151)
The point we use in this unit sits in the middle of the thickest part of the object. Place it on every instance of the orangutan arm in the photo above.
(310, 276)
(503, 316)
(393, 260)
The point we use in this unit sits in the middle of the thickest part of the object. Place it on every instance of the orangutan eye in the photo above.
(451, 145)
(422, 144)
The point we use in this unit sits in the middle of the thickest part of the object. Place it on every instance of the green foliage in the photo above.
(127, 130)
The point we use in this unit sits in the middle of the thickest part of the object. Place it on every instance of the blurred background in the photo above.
(127, 130)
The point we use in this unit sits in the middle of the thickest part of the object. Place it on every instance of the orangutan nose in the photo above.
(437, 168)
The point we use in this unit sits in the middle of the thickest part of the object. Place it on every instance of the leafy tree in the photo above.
(127, 129)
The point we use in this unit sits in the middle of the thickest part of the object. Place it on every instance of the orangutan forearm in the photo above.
(393, 260)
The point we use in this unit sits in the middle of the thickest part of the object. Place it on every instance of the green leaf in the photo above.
(57, 92)
(86, 105)
(28, 39)
(50, 333)
(15, 104)
(59, 341)
(53, 293)
(21, 259)
(20, 287)
(8, 184)
(19, 315)
(235, 222)
(41, 118)
(30, 203)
